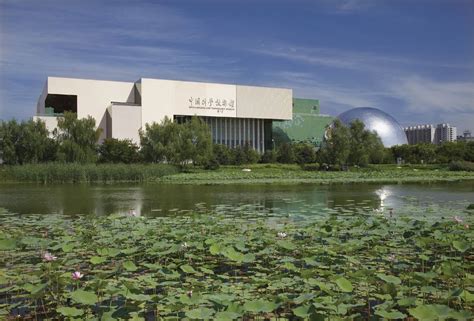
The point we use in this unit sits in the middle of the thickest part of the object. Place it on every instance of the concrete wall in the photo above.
(166, 98)
(51, 122)
(93, 96)
(126, 121)
(263, 102)
(40, 107)
(162, 98)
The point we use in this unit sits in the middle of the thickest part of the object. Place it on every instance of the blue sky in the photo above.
(412, 59)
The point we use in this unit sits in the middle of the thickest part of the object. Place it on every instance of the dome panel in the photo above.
(374, 119)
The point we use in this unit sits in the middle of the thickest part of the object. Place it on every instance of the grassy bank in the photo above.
(327, 266)
(258, 174)
(85, 173)
(293, 174)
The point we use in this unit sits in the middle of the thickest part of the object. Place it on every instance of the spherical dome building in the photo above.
(374, 119)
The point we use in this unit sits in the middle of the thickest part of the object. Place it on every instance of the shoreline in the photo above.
(45, 174)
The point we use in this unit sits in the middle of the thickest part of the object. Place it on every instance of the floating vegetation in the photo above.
(212, 265)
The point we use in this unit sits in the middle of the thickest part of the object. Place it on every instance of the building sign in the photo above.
(203, 99)
(219, 105)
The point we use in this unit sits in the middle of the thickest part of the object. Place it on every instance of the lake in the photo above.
(161, 199)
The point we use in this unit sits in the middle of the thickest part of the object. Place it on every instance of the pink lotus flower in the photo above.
(48, 257)
(458, 219)
(77, 275)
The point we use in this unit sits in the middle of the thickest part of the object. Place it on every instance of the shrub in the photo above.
(268, 157)
(304, 153)
(461, 166)
(115, 150)
(88, 173)
(311, 167)
(77, 139)
(222, 154)
(25, 142)
(286, 154)
(212, 164)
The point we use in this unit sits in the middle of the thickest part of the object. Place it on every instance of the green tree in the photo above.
(285, 154)
(269, 156)
(77, 139)
(469, 153)
(177, 144)
(336, 148)
(305, 153)
(365, 146)
(154, 139)
(114, 150)
(238, 155)
(244, 155)
(223, 154)
(25, 142)
(451, 151)
(198, 137)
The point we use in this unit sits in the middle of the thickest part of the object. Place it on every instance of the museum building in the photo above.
(235, 114)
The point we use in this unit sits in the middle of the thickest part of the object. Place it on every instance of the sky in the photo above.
(412, 59)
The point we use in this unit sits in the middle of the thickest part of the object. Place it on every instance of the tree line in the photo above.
(75, 141)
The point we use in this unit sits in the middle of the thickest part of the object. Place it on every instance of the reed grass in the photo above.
(86, 173)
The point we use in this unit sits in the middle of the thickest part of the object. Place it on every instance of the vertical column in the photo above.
(258, 136)
(221, 128)
(254, 140)
(244, 129)
(263, 135)
(237, 130)
(215, 130)
(226, 140)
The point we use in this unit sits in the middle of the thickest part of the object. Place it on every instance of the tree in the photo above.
(175, 143)
(336, 148)
(223, 154)
(197, 137)
(469, 152)
(244, 155)
(153, 140)
(365, 146)
(304, 153)
(25, 142)
(451, 151)
(77, 139)
(269, 156)
(114, 150)
(285, 154)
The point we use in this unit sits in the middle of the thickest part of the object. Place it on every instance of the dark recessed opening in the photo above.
(58, 104)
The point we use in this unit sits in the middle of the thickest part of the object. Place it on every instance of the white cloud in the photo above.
(425, 95)
(349, 60)
(334, 99)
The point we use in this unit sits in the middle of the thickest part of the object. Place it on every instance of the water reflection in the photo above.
(157, 200)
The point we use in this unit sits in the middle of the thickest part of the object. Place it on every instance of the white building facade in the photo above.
(430, 134)
(236, 114)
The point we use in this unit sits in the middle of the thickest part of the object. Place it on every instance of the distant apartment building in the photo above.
(420, 134)
(430, 134)
(445, 133)
(466, 136)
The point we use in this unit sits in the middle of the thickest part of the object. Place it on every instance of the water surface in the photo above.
(157, 200)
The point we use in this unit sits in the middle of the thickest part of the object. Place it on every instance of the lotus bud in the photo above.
(48, 257)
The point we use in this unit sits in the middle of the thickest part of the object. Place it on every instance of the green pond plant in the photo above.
(232, 264)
